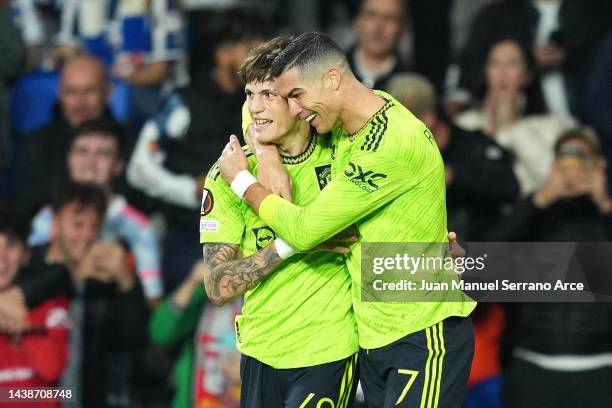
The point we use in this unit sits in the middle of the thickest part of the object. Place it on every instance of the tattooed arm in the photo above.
(227, 276)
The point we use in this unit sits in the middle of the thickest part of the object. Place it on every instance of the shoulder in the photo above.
(51, 314)
(395, 129)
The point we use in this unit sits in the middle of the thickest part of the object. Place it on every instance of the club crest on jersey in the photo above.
(323, 175)
(264, 236)
(365, 180)
(207, 202)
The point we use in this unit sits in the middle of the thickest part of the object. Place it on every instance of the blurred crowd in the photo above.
(111, 113)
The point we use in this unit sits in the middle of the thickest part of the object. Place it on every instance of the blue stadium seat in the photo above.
(35, 94)
(32, 100)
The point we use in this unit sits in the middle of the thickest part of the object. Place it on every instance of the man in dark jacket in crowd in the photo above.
(479, 175)
(562, 352)
(379, 27)
(84, 92)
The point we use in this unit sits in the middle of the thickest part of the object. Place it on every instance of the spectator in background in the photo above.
(512, 112)
(84, 92)
(108, 307)
(379, 27)
(95, 155)
(562, 355)
(599, 101)
(479, 175)
(142, 42)
(11, 64)
(177, 145)
(207, 371)
(35, 356)
(563, 35)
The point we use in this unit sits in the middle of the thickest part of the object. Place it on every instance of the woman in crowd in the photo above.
(512, 111)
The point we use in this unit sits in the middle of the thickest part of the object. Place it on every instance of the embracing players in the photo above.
(388, 178)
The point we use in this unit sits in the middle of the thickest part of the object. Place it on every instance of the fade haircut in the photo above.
(258, 64)
(85, 195)
(307, 51)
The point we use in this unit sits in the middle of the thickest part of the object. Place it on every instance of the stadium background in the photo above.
(499, 82)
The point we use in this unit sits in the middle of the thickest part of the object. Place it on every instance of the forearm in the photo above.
(228, 279)
(255, 194)
(182, 295)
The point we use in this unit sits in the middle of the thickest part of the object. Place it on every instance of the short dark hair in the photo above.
(584, 133)
(12, 225)
(85, 195)
(306, 50)
(258, 64)
(104, 126)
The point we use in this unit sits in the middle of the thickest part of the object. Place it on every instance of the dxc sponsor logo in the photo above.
(362, 178)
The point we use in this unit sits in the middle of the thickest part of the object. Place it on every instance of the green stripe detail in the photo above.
(440, 363)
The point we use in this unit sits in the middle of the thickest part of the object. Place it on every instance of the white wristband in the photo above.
(283, 249)
(243, 180)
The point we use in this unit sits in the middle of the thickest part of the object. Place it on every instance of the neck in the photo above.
(226, 80)
(296, 140)
(359, 107)
(374, 63)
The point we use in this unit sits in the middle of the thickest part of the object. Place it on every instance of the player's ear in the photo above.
(333, 78)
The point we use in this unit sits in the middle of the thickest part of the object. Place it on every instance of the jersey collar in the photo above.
(305, 154)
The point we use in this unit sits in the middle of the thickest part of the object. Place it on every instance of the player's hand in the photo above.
(455, 250)
(339, 243)
(274, 177)
(232, 160)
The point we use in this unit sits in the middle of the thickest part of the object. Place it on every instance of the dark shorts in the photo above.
(426, 369)
(330, 385)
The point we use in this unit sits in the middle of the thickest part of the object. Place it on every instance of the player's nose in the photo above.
(255, 106)
(294, 108)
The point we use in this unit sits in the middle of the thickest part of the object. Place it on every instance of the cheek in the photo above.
(492, 74)
(14, 256)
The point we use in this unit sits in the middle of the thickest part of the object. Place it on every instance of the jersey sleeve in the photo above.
(246, 119)
(221, 218)
(369, 181)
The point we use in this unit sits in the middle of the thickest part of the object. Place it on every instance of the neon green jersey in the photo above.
(301, 315)
(388, 178)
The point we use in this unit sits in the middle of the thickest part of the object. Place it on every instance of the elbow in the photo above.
(304, 244)
(216, 299)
